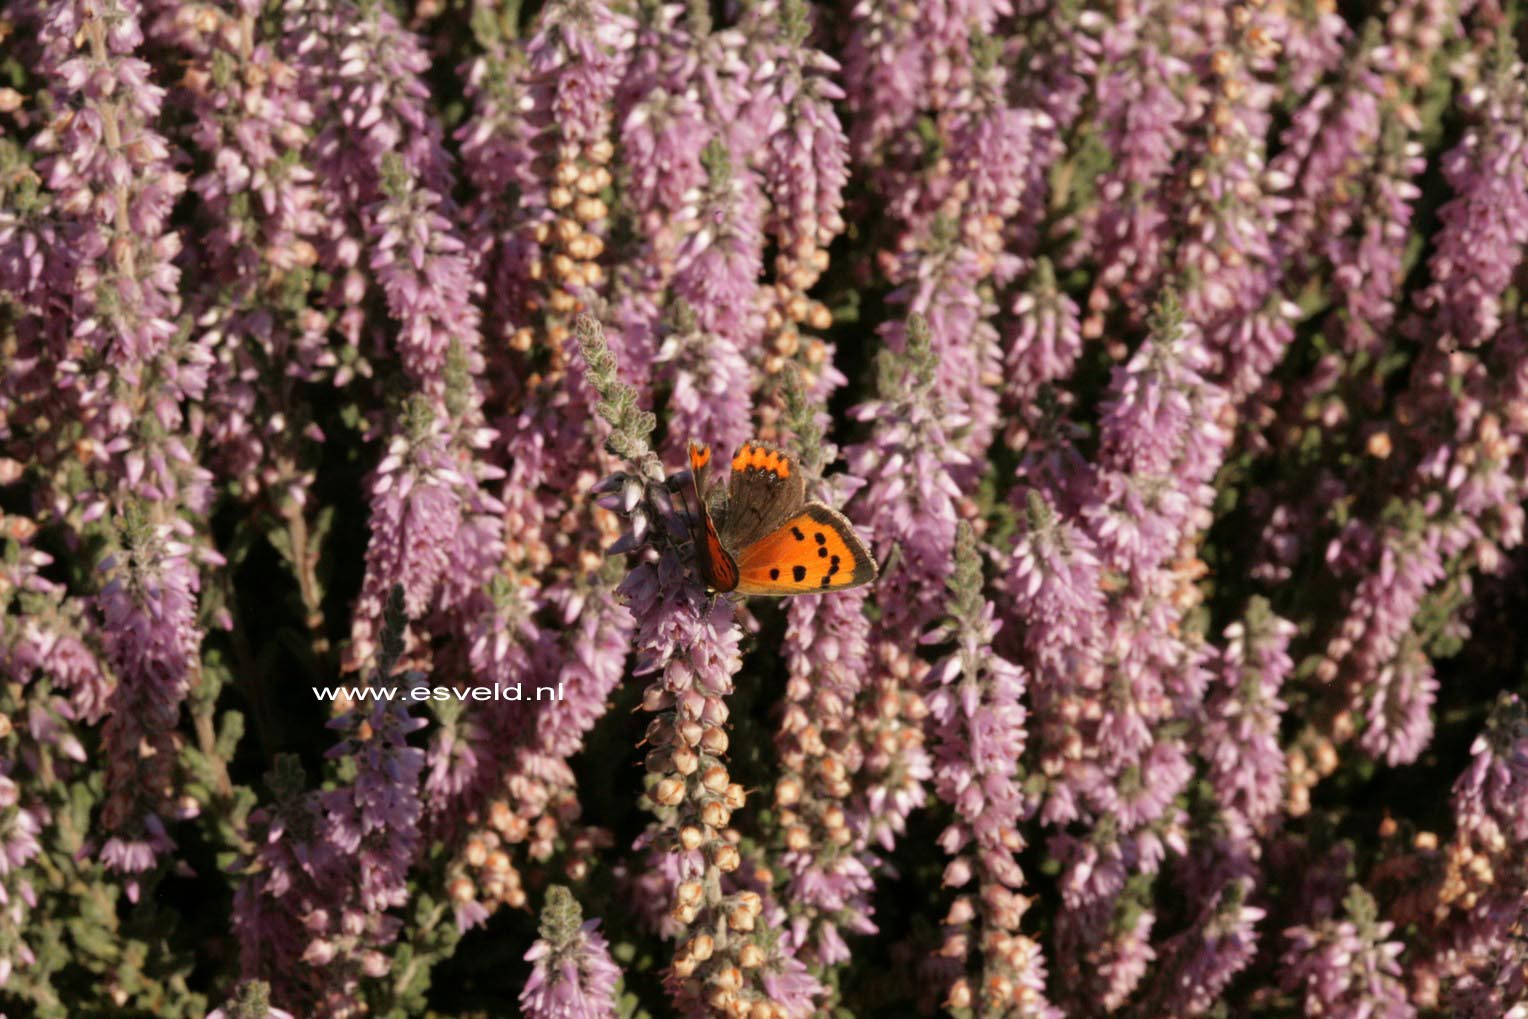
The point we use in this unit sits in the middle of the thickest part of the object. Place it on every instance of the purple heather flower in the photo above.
(827, 655)
(526, 746)
(260, 205)
(1313, 45)
(416, 512)
(1375, 649)
(286, 908)
(328, 865)
(884, 75)
(717, 267)
(1197, 965)
(1330, 140)
(1476, 953)
(148, 615)
(1055, 583)
(1485, 226)
(114, 135)
(1044, 340)
(1240, 737)
(374, 823)
(114, 369)
(1368, 267)
(909, 500)
(1347, 969)
(806, 161)
(975, 701)
(426, 277)
(380, 153)
(572, 974)
(1143, 120)
(710, 379)
(1488, 798)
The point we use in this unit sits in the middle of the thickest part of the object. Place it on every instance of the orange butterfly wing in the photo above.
(814, 551)
(717, 568)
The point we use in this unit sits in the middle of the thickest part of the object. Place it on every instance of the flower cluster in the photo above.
(1170, 360)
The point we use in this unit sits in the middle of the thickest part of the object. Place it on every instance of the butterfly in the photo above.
(765, 537)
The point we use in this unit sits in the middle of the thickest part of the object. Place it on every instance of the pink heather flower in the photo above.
(827, 654)
(1392, 680)
(1347, 969)
(884, 74)
(1313, 45)
(118, 109)
(975, 701)
(717, 267)
(1240, 736)
(426, 277)
(957, 229)
(1228, 263)
(327, 866)
(259, 217)
(1488, 798)
(114, 369)
(806, 161)
(1331, 139)
(374, 823)
(290, 896)
(709, 377)
(20, 825)
(663, 138)
(1477, 952)
(572, 974)
(689, 643)
(1055, 584)
(1143, 118)
(416, 512)
(380, 154)
(576, 60)
(526, 746)
(909, 499)
(1122, 959)
(1197, 965)
(1368, 266)
(1044, 340)
(1485, 226)
(148, 616)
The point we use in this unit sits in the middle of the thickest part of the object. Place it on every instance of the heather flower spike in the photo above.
(1132, 399)
(572, 975)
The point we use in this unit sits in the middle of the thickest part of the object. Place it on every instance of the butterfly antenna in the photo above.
(892, 558)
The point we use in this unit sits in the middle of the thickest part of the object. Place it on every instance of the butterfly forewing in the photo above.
(717, 567)
(766, 489)
(814, 551)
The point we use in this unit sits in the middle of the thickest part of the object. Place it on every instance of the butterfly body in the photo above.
(766, 538)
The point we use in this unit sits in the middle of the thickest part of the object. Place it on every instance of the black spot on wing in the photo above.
(774, 573)
(799, 572)
(822, 539)
(822, 553)
(797, 533)
(827, 580)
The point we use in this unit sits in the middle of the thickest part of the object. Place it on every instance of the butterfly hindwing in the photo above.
(766, 489)
(814, 551)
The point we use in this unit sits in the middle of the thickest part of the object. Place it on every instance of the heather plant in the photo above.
(1170, 359)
